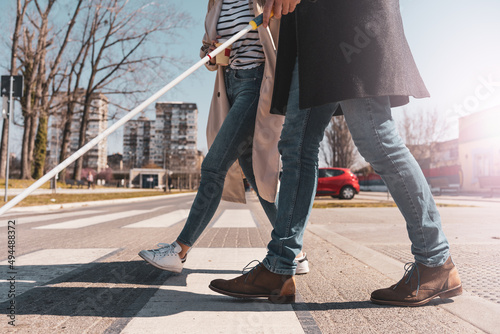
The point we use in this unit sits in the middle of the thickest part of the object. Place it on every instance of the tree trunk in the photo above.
(66, 138)
(25, 165)
(40, 150)
(30, 126)
(83, 135)
(3, 148)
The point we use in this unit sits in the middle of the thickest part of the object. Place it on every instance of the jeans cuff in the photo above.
(273, 269)
(184, 242)
(436, 261)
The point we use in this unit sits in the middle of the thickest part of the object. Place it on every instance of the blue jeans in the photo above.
(233, 141)
(376, 137)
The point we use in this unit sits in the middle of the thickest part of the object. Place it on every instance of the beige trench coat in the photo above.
(265, 155)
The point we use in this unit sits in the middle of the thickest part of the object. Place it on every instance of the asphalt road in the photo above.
(77, 270)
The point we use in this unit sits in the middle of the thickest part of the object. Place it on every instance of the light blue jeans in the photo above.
(376, 137)
(233, 141)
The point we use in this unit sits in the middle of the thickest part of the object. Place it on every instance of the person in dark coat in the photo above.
(351, 58)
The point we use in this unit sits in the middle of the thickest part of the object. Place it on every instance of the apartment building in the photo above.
(169, 141)
(175, 146)
(138, 137)
(96, 157)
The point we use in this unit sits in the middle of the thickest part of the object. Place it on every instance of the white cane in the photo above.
(252, 25)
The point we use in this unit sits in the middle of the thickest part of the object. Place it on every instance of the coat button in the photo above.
(218, 94)
(313, 1)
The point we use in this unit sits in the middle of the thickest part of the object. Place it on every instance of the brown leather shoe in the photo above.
(420, 285)
(259, 282)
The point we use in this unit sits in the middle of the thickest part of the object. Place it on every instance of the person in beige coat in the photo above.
(242, 134)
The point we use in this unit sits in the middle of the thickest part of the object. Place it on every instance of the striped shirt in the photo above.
(246, 52)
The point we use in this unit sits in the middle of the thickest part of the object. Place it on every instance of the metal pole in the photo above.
(251, 26)
(9, 115)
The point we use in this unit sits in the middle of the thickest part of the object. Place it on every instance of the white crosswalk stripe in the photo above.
(38, 268)
(84, 222)
(188, 307)
(235, 218)
(43, 218)
(165, 220)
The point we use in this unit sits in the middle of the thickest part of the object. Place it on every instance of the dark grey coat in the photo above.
(347, 49)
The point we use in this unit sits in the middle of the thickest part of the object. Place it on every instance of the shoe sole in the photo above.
(275, 299)
(302, 271)
(302, 266)
(456, 291)
(172, 269)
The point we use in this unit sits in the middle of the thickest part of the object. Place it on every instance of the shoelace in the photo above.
(248, 270)
(164, 248)
(409, 270)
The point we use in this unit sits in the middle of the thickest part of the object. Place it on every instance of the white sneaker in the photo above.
(302, 265)
(166, 257)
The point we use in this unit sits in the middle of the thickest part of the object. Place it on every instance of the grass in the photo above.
(23, 184)
(46, 199)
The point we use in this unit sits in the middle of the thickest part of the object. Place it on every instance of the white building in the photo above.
(479, 149)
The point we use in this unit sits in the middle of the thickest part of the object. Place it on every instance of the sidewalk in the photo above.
(355, 267)
(480, 200)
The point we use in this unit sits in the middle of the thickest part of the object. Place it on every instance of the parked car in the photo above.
(337, 182)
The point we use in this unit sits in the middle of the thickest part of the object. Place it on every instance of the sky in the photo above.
(455, 44)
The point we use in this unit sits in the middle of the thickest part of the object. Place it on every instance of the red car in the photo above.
(337, 182)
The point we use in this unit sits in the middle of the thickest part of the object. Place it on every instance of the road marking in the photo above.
(84, 222)
(185, 304)
(53, 216)
(41, 267)
(165, 220)
(235, 218)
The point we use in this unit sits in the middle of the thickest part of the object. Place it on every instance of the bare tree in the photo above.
(32, 55)
(107, 55)
(420, 130)
(46, 99)
(338, 149)
(20, 13)
(115, 34)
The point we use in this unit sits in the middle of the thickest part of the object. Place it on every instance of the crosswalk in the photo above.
(236, 219)
(228, 219)
(89, 221)
(38, 268)
(53, 216)
(182, 302)
(165, 220)
(42, 266)
(191, 306)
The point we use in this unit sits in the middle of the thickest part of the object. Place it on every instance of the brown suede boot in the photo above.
(420, 285)
(259, 282)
